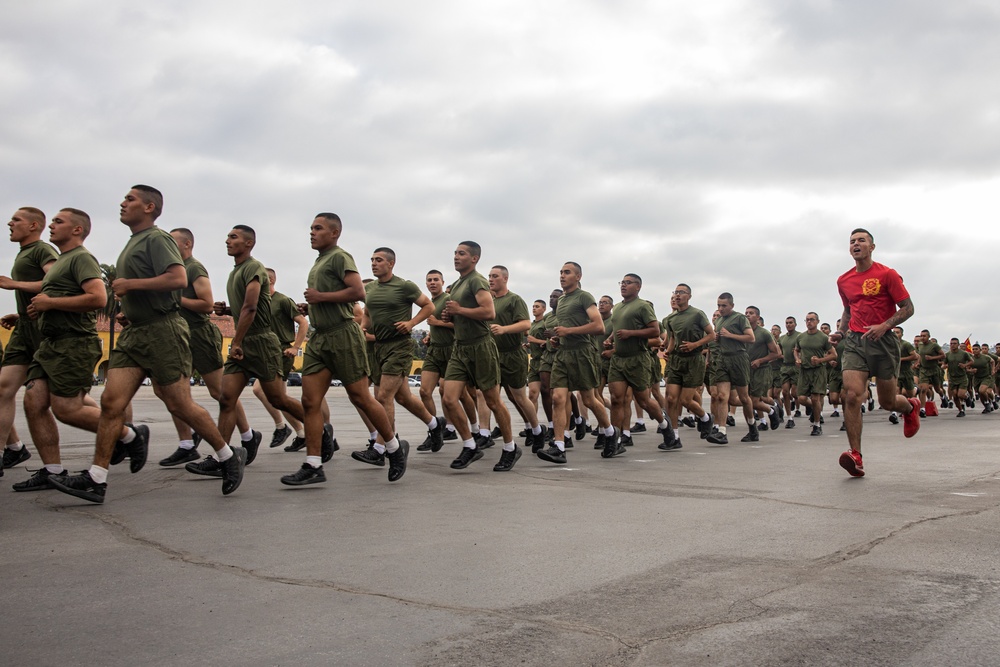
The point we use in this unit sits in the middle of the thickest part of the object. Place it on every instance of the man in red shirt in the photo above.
(875, 301)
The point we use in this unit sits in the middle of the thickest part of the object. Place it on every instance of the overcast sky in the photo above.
(731, 145)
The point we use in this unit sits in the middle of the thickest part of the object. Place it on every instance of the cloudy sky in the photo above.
(732, 145)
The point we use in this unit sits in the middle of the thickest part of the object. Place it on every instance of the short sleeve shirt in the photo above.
(736, 323)
(28, 268)
(812, 345)
(283, 314)
(871, 295)
(956, 358)
(464, 291)
(388, 303)
(66, 278)
(981, 365)
(537, 327)
(787, 344)
(686, 326)
(148, 254)
(510, 308)
(762, 338)
(930, 348)
(631, 315)
(572, 312)
(441, 336)
(195, 270)
(236, 288)
(327, 275)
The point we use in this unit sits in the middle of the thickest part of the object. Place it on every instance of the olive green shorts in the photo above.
(905, 379)
(775, 377)
(789, 374)
(287, 363)
(655, 369)
(686, 371)
(393, 358)
(834, 381)
(812, 381)
(958, 382)
(342, 351)
(879, 358)
(634, 370)
(24, 341)
(261, 358)
(514, 368)
(206, 348)
(534, 369)
(545, 365)
(985, 382)
(477, 364)
(66, 364)
(760, 381)
(161, 348)
(436, 359)
(577, 369)
(734, 369)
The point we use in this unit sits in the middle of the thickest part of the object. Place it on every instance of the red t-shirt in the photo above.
(871, 295)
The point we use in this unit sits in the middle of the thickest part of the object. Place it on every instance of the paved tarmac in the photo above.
(763, 554)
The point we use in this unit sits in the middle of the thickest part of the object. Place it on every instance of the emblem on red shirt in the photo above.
(871, 287)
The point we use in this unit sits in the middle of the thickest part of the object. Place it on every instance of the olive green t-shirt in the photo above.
(283, 314)
(787, 344)
(65, 278)
(758, 348)
(631, 315)
(148, 254)
(981, 365)
(510, 308)
(932, 349)
(441, 336)
(28, 269)
(954, 359)
(464, 291)
(736, 323)
(905, 349)
(572, 312)
(686, 326)
(236, 288)
(388, 303)
(810, 345)
(327, 275)
(537, 327)
(549, 322)
(195, 270)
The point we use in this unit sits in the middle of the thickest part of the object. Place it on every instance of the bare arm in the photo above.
(592, 328)
(903, 313)
(34, 286)
(354, 290)
(94, 297)
(202, 303)
(426, 309)
(484, 310)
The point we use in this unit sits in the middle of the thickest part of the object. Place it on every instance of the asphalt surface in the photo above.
(762, 554)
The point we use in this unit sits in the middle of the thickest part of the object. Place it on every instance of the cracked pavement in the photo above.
(762, 554)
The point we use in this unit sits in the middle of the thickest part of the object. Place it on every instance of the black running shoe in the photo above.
(305, 475)
(553, 455)
(751, 436)
(638, 428)
(843, 426)
(537, 442)
(436, 435)
(397, 461)
(763, 426)
(232, 470)
(425, 446)
(13, 457)
(775, 420)
(119, 453)
(568, 444)
(676, 444)
(816, 430)
(798, 413)
(730, 421)
(179, 456)
(667, 434)
(80, 485)
(138, 449)
(496, 433)
(507, 460)
(39, 481)
(252, 445)
(790, 423)
(297, 444)
(280, 435)
(207, 466)
(449, 434)
(370, 456)
(689, 422)
(717, 438)
(601, 439)
(328, 445)
(871, 404)
(893, 418)
(482, 441)
(626, 441)
(961, 412)
(704, 427)
(835, 413)
(581, 431)
(465, 457)
(612, 446)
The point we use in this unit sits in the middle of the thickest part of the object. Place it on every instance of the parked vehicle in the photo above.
(294, 379)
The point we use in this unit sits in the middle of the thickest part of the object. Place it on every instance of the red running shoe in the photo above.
(851, 462)
(911, 420)
(931, 409)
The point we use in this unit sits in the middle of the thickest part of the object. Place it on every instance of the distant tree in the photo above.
(420, 350)
(110, 312)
